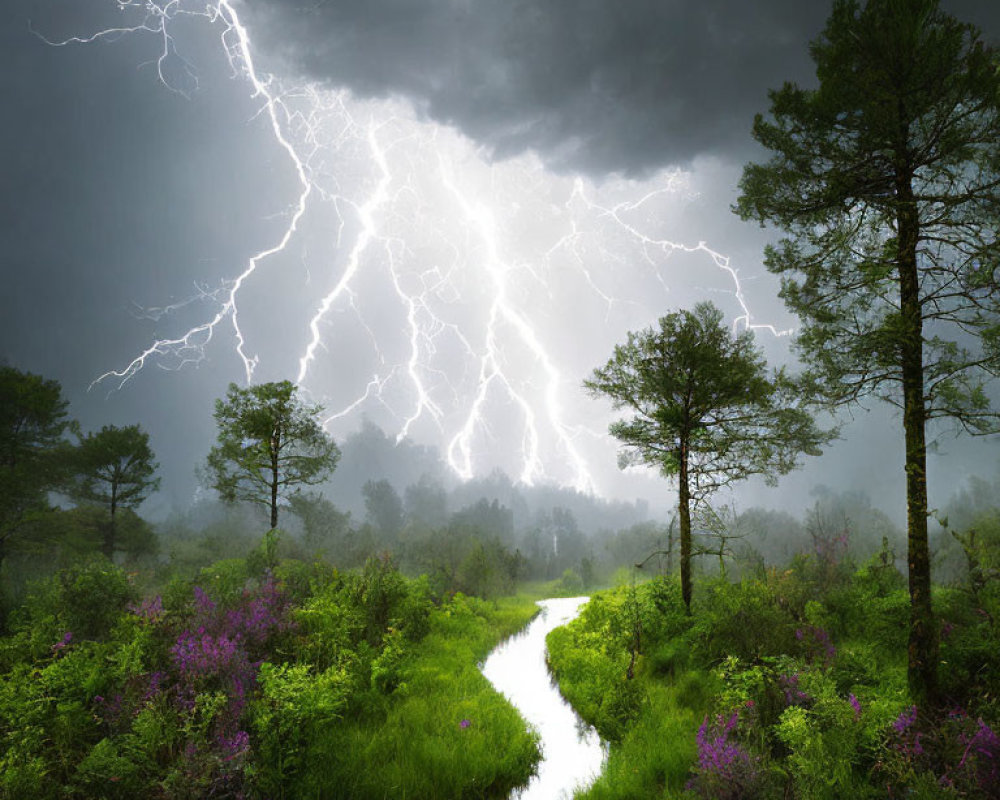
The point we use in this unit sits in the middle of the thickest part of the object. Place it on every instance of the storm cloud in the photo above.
(590, 85)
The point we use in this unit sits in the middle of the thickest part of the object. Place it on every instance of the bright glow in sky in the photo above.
(411, 278)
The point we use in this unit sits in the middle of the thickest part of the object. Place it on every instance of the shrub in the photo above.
(743, 620)
(957, 754)
(86, 599)
(295, 703)
(725, 769)
(570, 583)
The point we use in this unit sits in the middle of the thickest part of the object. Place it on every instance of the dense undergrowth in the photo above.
(788, 684)
(295, 681)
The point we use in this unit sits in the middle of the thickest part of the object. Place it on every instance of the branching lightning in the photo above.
(490, 272)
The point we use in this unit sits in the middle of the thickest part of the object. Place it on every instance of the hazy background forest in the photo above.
(479, 536)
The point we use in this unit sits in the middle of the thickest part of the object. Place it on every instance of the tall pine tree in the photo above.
(886, 181)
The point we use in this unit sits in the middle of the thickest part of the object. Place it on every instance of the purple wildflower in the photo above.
(817, 644)
(725, 769)
(856, 705)
(464, 724)
(202, 602)
(794, 696)
(156, 680)
(981, 758)
(234, 746)
(149, 610)
(905, 720)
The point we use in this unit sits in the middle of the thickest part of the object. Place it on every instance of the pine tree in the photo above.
(886, 181)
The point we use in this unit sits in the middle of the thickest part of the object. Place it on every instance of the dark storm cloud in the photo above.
(593, 85)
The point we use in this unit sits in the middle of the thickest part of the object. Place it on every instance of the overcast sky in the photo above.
(455, 211)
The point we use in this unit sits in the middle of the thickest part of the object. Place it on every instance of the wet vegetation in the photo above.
(336, 659)
(790, 680)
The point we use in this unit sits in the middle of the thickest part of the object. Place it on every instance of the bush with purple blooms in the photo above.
(219, 690)
(955, 752)
(725, 769)
(180, 709)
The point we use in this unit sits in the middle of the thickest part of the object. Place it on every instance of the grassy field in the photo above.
(445, 732)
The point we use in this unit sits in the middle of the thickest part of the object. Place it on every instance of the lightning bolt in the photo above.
(651, 245)
(473, 258)
(501, 310)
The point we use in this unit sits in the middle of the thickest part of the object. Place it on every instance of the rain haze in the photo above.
(439, 217)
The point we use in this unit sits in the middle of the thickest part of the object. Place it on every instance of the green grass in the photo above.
(416, 745)
(650, 720)
(654, 758)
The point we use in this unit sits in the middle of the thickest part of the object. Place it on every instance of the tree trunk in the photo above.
(684, 512)
(670, 548)
(922, 655)
(274, 480)
(108, 545)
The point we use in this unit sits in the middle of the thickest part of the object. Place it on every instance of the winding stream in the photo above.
(572, 754)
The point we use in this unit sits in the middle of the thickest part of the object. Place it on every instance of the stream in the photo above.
(572, 754)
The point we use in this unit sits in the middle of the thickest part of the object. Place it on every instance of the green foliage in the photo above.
(325, 526)
(378, 594)
(970, 642)
(465, 558)
(264, 557)
(85, 600)
(488, 570)
(383, 508)
(702, 397)
(224, 580)
(295, 704)
(643, 764)
(330, 627)
(386, 669)
(662, 703)
(66, 536)
(591, 659)
(570, 583)
(32, 453)
(745, 620)
(46, 716)
(269, 443)
(814, 685)
(108, 773)
(905, 120)
(362, 691)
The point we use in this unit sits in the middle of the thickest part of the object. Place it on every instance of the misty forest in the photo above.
(317, 619)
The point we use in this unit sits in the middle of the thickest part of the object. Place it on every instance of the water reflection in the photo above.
(572, 754)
